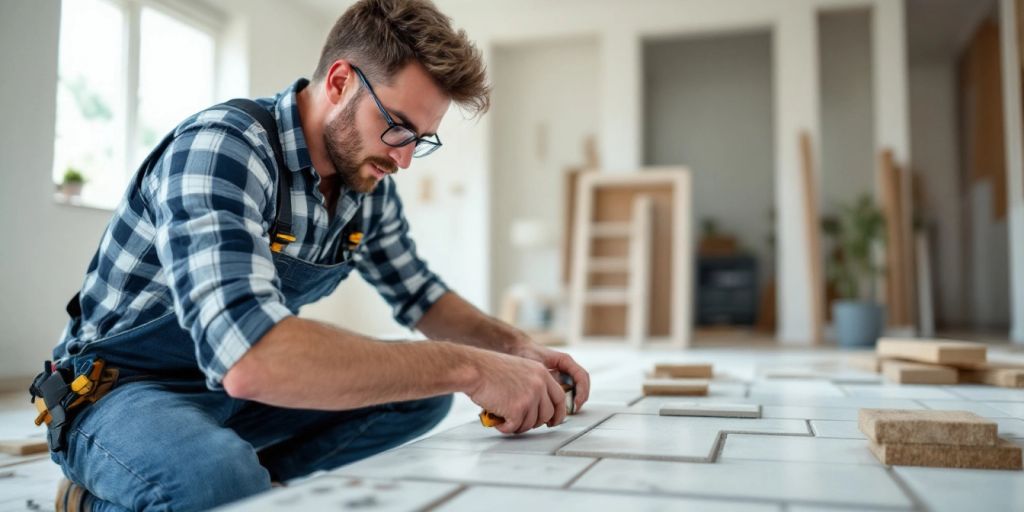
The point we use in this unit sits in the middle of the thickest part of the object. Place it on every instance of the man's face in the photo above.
(353, 136)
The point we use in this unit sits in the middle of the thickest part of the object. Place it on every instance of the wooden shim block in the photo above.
(24, 446)
(675, 387)
(713, 410)
(995, 374)
(683, 371)
(906, 372)
(866, 362)
(1004, 455)
(946, 352)
(897, 426)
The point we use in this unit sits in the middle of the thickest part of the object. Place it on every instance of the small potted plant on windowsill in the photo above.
(71, 186)
(857, 232)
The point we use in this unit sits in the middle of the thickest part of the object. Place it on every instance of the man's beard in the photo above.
(343, 147)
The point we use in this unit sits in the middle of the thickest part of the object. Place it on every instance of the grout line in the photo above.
(917, 503)
(810, 428)
(579, 475)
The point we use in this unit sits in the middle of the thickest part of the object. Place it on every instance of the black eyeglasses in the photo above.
(399, 134)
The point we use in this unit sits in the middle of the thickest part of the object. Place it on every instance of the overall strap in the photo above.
(281, 232)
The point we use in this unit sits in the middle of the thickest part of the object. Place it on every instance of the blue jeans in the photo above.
(166, 445)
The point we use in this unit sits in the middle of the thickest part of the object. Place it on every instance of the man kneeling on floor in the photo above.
(185, 380)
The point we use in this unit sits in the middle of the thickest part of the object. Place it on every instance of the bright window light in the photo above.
(115, 101)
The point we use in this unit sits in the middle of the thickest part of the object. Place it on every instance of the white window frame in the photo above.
(191, 12)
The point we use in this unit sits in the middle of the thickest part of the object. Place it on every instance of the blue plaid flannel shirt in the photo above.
(200, 244)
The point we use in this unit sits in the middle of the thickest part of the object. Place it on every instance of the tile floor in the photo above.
(805, 453)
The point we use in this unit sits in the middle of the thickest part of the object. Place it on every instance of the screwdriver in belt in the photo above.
(489, 419)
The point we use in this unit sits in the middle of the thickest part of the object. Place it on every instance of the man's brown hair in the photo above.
(382, 36)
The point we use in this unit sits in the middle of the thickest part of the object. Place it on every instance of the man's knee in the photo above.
(428, 411)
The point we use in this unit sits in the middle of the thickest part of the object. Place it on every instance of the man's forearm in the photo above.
(453, 318)
(306, 364)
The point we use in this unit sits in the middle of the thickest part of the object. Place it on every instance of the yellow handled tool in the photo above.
(489, 419)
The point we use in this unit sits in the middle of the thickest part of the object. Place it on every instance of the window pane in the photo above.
(90, 129)
(176, 76)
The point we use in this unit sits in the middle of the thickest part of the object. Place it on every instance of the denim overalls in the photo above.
(161, 440)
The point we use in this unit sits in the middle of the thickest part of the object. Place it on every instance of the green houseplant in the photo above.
(72, 183)
(856, 233)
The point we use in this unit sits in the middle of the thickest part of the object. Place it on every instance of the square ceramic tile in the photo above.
(837, 429)
(614, 397)
(844, 401)
(35, 481)
(468, 467)
(1011, 409)
(809, 412)
(790, 482)
(796, 449)
(640, 436)
(988, 393)
(507, 499)
(965, 405)
(912, 392)
(331, 492)
(943, 489)
(475, 437)
(816, 388)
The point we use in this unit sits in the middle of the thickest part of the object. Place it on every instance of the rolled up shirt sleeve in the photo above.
(388, 260)
(211, 193)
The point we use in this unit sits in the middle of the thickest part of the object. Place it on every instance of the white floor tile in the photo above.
(816, 388)
(475, 437)
(1010, 427)
(965, 405)
(989, 393)
(913, 392)
(469, 467)
(837, 429)
(943, 489)
(841, 484)
(1012, 409)
(331, 492)
(809, 412)
(797, 449)
(505, 499)
(641, 436)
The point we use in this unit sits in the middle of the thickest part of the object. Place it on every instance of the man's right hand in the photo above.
(520, 390)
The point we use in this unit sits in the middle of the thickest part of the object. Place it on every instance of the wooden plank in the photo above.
(898, 426)
(683, 371)
(675, 387)
(638, 312)
(907, 372)
(1004, 455)
(1004, 375)
(812, 227)
(945, 352)
(21, 447)
(894, 283)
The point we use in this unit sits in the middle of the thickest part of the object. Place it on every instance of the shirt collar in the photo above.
(289, 127)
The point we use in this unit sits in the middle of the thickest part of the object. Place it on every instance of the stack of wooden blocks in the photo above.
(945, 439)
(941, 362)
(679, 380)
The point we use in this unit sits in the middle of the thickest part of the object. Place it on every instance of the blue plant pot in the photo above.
(857, 323)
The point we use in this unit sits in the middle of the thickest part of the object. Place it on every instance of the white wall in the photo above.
(847, 109)
(936, 142)
(545, 106)
(708, 106)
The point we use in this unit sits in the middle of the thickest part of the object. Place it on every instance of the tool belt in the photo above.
(60, 393)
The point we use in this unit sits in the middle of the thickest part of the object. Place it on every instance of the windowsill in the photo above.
(77, 202)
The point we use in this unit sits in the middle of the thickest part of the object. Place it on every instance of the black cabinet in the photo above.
(727, 291)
